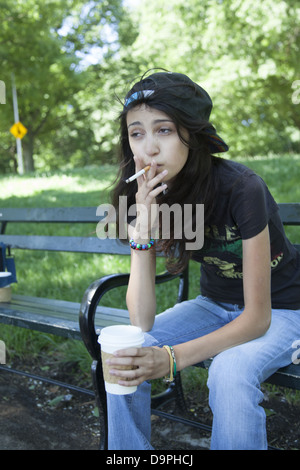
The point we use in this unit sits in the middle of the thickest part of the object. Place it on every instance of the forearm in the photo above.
(141, 299)
(242, 329)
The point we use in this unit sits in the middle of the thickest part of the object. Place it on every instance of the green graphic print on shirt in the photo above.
(222, 253)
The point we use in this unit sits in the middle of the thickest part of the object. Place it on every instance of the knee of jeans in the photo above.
(149, 340)
(231, 371)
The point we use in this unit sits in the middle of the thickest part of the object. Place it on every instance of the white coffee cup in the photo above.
(114, 338)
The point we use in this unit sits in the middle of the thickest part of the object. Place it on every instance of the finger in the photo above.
(151, 180)
(156, 191)
(130, 377)
(126, 372)
(153, 169)
(159, 177)
(127, 359)
(129, 352)
(138, 163)
(155, 186)
(131, 382)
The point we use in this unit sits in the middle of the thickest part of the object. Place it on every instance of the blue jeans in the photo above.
(234, 377)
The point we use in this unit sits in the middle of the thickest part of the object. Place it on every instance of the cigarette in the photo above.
(139, 173)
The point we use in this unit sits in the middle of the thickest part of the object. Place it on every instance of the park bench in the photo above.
(60, 317)
(56, 316)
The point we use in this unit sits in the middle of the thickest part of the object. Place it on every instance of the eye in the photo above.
(165, 130)
(135, 134)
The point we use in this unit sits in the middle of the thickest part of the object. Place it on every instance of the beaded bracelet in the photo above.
(141, 246)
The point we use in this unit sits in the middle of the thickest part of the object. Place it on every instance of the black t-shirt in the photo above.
(244, 208)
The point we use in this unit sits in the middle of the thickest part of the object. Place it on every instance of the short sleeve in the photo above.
(251, 205)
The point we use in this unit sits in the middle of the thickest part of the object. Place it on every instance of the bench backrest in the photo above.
(289, 213)
(69, 215)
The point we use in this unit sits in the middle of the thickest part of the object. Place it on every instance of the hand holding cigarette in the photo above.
(139, 173)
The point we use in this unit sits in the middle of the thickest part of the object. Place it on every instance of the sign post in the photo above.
(18, 130)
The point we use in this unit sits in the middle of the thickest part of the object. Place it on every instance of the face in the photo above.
(152, 135)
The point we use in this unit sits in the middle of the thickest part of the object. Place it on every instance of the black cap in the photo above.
(187, 95)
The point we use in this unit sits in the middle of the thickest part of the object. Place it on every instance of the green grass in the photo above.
(66, 276)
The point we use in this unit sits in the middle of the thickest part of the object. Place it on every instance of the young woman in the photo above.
(248, 314)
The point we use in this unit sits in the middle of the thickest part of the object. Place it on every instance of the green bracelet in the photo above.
(174, 360)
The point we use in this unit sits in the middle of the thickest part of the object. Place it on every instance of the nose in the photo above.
(151, 146)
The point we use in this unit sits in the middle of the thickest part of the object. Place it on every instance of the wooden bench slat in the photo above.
(66, 244)
(91, 245)
(288, 376)
(36, 322)
(58, 308)
(50, 215)
(290, 213)
(43, 302)
(52, 316)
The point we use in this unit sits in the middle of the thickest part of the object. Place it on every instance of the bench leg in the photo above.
(173, 392)
(180, 400)
(100, 395)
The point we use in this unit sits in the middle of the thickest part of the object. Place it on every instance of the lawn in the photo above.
(66, 276)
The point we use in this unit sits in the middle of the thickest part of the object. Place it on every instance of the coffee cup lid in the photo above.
(124, 335)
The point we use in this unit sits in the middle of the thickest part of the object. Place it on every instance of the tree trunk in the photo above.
(27, 145)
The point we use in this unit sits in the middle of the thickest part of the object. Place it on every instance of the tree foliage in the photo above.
(41, 42)
(244, 52)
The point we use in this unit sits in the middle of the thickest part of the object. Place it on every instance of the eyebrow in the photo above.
(157, 121)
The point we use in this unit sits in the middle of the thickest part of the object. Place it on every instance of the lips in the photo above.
(158, 164)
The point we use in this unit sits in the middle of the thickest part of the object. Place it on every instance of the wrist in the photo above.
(139, 233)
(137, 238)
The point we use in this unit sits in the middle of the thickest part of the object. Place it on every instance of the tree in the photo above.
(244, 52)
(40, 43)
(259, 52)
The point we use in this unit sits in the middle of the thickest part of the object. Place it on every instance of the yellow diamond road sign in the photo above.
(18, 130)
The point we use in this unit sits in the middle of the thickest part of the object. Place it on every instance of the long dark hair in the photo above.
(195, 184)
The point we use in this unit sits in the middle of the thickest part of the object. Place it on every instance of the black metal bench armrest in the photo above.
(96, 291)
(89, 303)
